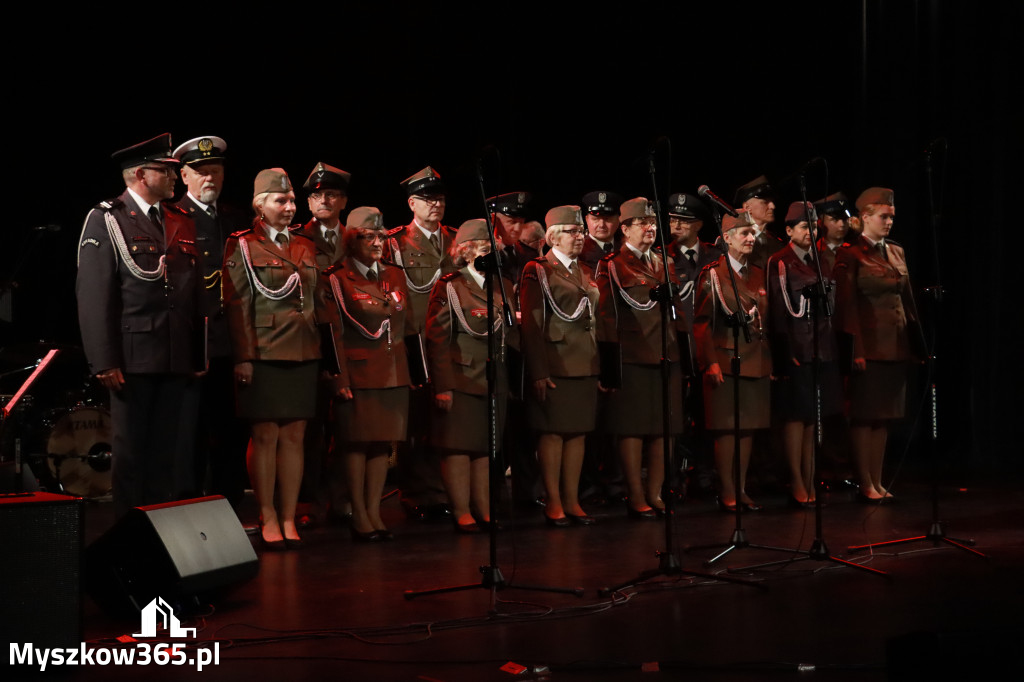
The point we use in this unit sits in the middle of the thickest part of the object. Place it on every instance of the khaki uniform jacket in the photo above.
(553, 347)
(262, 328)
(793, 337)
(765, 246)
(638, 332)
(828, 256)
(875, 302)
(715, 338)
(326, 255)
(365, 305)
(144, 327)
(409, 248)
(458, 359)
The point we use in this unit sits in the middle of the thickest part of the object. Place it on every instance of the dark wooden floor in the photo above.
(336, 610)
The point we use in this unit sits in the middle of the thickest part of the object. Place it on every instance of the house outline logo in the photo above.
(159, 609)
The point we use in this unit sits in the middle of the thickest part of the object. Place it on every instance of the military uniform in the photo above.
(714, 339)
(456, 340)
(326, 253)
(372, 354)
(630, 318)
(593, 252)
(558, 348)
(424, 264)
(270, 293)
(139, 308)
(875, 308)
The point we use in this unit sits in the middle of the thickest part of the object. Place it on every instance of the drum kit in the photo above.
(56, 427)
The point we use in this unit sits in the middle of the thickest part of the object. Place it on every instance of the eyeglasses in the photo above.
(372, 237)
(433, 201)
(322, 196)
(576, 232)
(164, 170)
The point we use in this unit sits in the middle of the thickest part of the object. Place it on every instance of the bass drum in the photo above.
(78, 451)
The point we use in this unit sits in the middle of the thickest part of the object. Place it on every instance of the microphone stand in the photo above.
(664, 294)
(737, 321)
(819, 303)
(936, 533)
(492, 579)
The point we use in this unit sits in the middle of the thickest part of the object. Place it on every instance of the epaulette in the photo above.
(610, 256)
(451, 276)
(713, 264)
(296, 229)
(333, 268)
(109, 204)
(395, 230)
(890, 242)
(385, 261)
(540, 259)
(236, 235)
(173, 207)
(299, 234)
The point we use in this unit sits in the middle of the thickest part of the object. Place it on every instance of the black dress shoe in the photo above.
(727, 508)
(581, 519)
(468, 528)
(385, 534)
(638, 515)
(752, 506)
(560, 522)
(864, 499)
(359, 536)
(293, 543)
(273, 545)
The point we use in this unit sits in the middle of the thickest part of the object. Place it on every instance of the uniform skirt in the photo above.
(570, 407)
(879, 392)
(373, 414)
(465, 429)
(635, 408)
(279, 390)
(793, 394)
(755, 403)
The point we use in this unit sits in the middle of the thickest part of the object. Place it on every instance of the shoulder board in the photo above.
(332, 269)
(610, 256)
(539, 259)
(394, 231)
(390, 264)
(236, 235)
(173, 207)
(890, 242)
(109, 204)
(451, 276)
(713, 264)
(296, 229)
(292, 231)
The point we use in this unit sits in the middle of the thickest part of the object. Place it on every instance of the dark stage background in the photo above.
(572, 97)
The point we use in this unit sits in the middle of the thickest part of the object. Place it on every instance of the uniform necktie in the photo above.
(332, 240)
(607, 248)
(154, 215)
(743, 272)
(882, 250)
(807, 257)
(211, 211)
(282, 240)
(435, 242)
(371, 275)
(691, 256)
(574, 270)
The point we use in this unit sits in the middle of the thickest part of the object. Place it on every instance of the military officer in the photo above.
(222, 437)
(630, 318)
(757, 198)
(601, 211)
(139, 306)
(876, 309)
(327, 194)
(421, 248)
(508, 215)
(834, 213)
(688, 253)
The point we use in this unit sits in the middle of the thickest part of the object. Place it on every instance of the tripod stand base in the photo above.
(493, 580)
(668, 565)
(936, 534)
(817, 552)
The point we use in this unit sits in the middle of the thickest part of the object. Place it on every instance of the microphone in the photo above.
(704, 192)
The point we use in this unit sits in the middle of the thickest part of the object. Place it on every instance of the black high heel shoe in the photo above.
(359, 536)
(272, 545)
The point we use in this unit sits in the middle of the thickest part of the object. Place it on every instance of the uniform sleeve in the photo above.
(438, 331)
(238, 304)
(704, 320)
(531, 302)
(778, 315)
(607, 322)
(337, 323)
(98, 288)
(683, 323)
(847, 314)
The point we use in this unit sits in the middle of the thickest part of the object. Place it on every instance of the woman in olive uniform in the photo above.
(269, 295)
(456, 340)
(372, 405)
(716, 302)
(876, 309)
(559, 299)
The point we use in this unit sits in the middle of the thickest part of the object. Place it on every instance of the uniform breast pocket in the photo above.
(271, 271)
(357, 355)
(873, 280)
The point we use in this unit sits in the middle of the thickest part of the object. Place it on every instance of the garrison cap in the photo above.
(798, 212)
(602, 203)
(426, 182)
(327, 177)
(156, 150)
(365, 218)
(271, 180)
(683, 205)
(835, 205)
(636, 208)
(758, 188)
(563, 215)
(510, 204)
(201, 150)
(875, 195)
(472, 229)
(742, 219)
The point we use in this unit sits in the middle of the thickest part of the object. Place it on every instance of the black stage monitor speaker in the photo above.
(40, 571)
(178, 550)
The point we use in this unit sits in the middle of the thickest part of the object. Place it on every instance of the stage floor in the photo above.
(337, 610)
